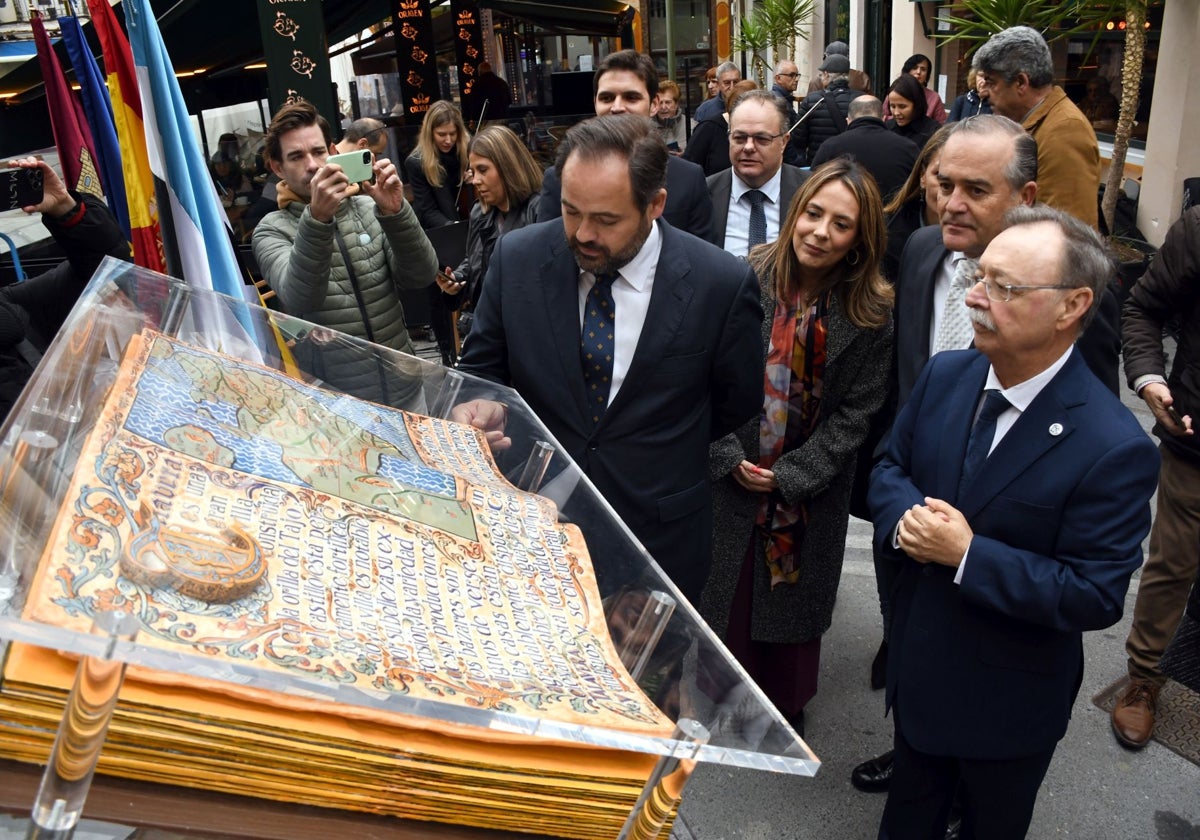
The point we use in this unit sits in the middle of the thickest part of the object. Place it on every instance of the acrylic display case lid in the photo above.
(296, 518)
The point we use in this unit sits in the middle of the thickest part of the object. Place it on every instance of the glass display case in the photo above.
(313, 548)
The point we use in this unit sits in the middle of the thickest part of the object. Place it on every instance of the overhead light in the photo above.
(8, 95)
(262, 65)
(186, 73)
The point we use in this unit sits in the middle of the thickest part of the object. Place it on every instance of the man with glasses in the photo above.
(752, 196)
(728, 75)
(1013, 499)
(787, 78)
(366, 133)
(988, 167)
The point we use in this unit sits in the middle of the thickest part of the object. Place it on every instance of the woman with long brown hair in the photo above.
(782, 490)
(507, 181)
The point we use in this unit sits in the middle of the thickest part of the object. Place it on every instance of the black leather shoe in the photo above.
(873, 775)
(879, 667)
(954, 828)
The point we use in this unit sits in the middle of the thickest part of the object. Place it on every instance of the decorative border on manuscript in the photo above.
(251, 518)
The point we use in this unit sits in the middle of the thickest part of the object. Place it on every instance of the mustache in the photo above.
(982, 318)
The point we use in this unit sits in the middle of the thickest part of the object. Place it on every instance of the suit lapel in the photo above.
(722, 189)
(929, 273)
(1045, 424)
(957, 419)
(560, 275)
(669, 300)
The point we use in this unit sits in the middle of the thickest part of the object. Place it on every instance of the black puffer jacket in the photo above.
(820, 125)
(1170, 287)
(37, 308)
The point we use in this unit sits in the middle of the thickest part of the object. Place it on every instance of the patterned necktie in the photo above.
(758, 217)
(597, 343)
(982, 433)
(955, 332)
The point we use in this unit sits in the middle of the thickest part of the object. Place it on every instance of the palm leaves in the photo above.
(773, 25)
(978, 20)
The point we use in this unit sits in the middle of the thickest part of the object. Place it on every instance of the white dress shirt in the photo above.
(737, 225)
(941, 288)
(631, 299)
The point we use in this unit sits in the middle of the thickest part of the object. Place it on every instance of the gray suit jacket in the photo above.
(720, 188)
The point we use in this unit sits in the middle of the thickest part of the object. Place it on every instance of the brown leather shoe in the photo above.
(1133, 715)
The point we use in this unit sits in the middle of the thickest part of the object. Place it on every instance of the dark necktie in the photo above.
(982, 433)
(758, 218)
(597, 342)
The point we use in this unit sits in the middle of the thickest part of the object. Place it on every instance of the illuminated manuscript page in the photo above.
(362, 545)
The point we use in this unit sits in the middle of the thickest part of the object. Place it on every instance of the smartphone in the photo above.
(356, 165)
(20, 188)
(1174, 414)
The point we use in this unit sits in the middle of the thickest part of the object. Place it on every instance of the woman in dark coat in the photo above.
(907, 101)
(436, 171)
(507, 181)
(914, 205)
(781, 483)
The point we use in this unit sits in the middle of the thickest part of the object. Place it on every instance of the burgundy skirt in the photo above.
(786, 672)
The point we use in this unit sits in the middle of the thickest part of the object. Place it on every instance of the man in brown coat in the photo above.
(1018, 79)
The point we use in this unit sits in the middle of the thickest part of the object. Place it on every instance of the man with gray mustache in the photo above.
(987, 167)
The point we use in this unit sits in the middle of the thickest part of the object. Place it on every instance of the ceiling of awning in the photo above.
(212, 35)
(222, 36)
(583, 17)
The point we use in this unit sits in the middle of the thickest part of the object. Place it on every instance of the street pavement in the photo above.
(1095, 789)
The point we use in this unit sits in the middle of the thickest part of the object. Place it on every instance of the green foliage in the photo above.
(978, 20)
(785, 21)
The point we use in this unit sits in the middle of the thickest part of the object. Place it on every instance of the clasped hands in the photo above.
(935, 532)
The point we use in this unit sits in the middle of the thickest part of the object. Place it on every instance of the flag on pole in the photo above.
(76, 152)
(131, 134)
(201, 227)
(202, 233)
(98, 111)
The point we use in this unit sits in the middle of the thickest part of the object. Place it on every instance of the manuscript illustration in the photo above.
(249, 517)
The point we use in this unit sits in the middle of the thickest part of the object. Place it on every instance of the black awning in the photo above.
(568, 17)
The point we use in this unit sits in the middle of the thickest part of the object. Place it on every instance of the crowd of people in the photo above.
(810, 305)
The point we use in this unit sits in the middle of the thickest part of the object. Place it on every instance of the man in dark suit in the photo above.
(1014, 498)
(626, 82)
(751, 198)
(681, 368)
(988, 167)
(885, 154)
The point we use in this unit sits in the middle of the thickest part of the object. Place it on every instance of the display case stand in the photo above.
(81, 734)
(664, 789)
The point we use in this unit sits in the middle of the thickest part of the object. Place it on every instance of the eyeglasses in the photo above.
(1003, 292)
(789, 75)
(739, 138)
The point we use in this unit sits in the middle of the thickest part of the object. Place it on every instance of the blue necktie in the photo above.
(982, 433)
(758, 218)
(597, 343)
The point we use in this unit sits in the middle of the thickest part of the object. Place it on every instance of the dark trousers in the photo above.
(998, 796)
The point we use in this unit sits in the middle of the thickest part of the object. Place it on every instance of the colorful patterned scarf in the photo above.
(794, 370)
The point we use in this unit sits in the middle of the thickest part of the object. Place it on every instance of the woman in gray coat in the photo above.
(781, 490)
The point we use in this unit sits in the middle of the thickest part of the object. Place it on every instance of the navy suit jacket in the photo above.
(696, 375)
(688, 206)
(988, 668)
(1100, 343)
(720, 188)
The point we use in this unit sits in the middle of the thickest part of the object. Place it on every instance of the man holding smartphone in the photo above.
(338, 252)
(32, 312)
(1170, 287)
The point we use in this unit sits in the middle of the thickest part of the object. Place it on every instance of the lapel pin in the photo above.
(1056, 429)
